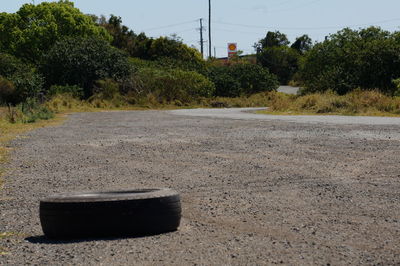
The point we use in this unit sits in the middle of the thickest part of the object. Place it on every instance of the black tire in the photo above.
(110, 214)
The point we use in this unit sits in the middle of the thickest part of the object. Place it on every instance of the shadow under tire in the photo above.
(110, 214)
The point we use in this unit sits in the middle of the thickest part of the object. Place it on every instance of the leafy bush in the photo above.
(241, 79)
(350, 59)
(169, 85)
(7, 91)
(169, 51)
(107, 89)
(28, 111)
(19, 80)
(74, 91)
(82, 61)
(34, 29)
(282, 61)
(397, 90)
(226, 84)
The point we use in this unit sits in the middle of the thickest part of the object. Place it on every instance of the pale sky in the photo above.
(243, 22)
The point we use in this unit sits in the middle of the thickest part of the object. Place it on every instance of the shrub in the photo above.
(82, 61)
(350, 59)
(397, 84)
(65, 102)
(171, 51)
(241, 79)
(7, 91)
(74, 91)
(169, 85)
(226, 84)
(19, 80)
(28, 111)
(107, 89)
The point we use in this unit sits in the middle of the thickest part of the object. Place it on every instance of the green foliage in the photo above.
(226, 84)
(169, 85)
(367, 58)
(73, 90)
(171, 52)
(272, 39)
(35, 28)
(28, 111)
(136, 45)
(274, 53)
(7, 91)
(302, 44)
(167, 52)
(82, 61)
(282, 61)
(19, 80)
(107, 89)
(397, 84)
(241, 79)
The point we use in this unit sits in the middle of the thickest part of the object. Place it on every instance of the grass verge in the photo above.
(361, 103)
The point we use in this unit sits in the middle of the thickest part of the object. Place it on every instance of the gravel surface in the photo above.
(249, 114)
(253, 191)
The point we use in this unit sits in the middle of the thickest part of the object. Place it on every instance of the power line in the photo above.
(306, 28)
(236, 31)
(171, 25)
(297, 7)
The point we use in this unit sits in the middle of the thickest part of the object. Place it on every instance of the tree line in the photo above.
(54, 48)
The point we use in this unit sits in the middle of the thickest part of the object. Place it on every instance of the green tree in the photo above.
(171, 51)
(282, 61)
(272, 39)
(34, 29)
(20, 80)
(81, 61)
(124, 38)
(367, 58)
(302, 44)
(168, 52)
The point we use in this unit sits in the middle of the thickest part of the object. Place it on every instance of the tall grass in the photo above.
(357, 102)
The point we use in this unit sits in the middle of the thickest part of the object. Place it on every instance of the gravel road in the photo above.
(249, 114)
(253, 191)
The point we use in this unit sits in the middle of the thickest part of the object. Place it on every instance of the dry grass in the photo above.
(364, 103)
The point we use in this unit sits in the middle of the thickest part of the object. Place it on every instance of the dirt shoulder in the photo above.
(253, 191)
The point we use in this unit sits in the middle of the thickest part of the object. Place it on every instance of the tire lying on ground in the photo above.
(110, 214)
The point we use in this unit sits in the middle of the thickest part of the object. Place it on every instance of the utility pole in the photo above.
(201, 38)
(209, 28)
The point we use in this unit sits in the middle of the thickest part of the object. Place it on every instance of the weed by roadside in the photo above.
(371, 103)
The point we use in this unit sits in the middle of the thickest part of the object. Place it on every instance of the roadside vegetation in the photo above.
(55, 59)
(357, 102)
